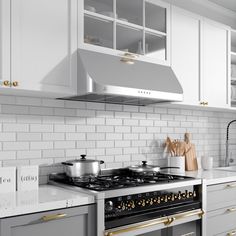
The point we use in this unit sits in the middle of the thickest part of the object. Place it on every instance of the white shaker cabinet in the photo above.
(5, 46)
(44, 46)
(185, 55)
(215, 64)
(199, 57)
(134, 29)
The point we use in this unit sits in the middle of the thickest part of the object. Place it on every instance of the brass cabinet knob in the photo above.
(15, 83)
(206, 104)
(6, 83)
(201, 103)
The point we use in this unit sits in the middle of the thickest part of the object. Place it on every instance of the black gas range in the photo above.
(131, 198)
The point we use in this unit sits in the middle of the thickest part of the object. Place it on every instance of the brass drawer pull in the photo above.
(231, 185)
(6, 83)
(15, 84)
(129, 58)
(231, 233)
(53, 217)
(231, 209)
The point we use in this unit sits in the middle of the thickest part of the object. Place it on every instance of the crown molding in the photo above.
(217, 8)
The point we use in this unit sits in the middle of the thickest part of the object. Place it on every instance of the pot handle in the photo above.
(102, 162)
(83, 157)
(67, 164)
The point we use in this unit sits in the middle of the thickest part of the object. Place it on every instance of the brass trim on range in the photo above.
(231, 233)
(166, 221)
(53, 217)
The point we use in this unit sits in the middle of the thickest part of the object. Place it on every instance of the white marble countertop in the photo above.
(46, 198)
(214, 176)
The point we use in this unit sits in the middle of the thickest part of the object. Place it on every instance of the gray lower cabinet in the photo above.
(77, 221)
(221, 209)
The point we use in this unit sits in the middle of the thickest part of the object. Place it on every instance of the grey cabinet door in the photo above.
(78, 221)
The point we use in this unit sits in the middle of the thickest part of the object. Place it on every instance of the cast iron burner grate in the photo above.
(111, 182)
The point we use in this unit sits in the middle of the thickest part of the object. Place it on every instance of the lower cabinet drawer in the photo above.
(221, 195)
(220, 221)
(229, 233)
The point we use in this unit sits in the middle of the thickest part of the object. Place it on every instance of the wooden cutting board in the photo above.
(190, 155)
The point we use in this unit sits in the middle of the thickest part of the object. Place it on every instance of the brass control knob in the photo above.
(6, 83)
(172, 197)
(166, 198)
(190, 194)
(15, 84)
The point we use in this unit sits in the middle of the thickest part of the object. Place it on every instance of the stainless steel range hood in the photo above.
(111, 79)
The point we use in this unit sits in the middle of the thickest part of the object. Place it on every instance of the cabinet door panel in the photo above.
(185, 53)
(5, 46)
(214, 72)
(44, 45)
(77, 221)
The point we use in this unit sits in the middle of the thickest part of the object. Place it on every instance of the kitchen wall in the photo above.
(46, 132)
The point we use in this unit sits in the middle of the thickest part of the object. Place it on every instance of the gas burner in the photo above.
(118, 180)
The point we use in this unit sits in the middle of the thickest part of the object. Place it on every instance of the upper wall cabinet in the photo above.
(43, 46)
(199, 55)
(185, 53)
(5, 43)
(215, 64)
(134, 28)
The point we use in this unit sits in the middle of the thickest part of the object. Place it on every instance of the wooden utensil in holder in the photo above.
(190, 154)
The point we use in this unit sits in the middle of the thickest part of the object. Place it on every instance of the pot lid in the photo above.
(83, 159)
(144, 167)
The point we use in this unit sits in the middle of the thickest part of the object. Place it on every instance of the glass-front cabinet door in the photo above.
(119, 27)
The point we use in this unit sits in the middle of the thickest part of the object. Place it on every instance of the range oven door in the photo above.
(182, 224)
(187, 229)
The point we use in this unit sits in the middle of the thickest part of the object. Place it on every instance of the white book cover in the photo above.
(7, 179)
(27, 178)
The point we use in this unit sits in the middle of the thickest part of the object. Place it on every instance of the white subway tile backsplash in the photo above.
(13, 109)
(16, 146)
(113, 136)
(41, 145)
(64, 128)
(29, 136)
(28, 154)
(41, 128)
(64, 144)
(15, 127)
(53, 136)
(44, 111)
(4, 137)
(46, 132)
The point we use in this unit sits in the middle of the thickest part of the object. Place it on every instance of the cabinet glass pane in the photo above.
(155, 46)
(98, 32)
(104, 7)
(130, 11)
(155, 17)
(129, 39)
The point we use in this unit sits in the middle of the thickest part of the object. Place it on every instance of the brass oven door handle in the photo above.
(142, 226)
(231, 233)
(166, 221)
(53, 217)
